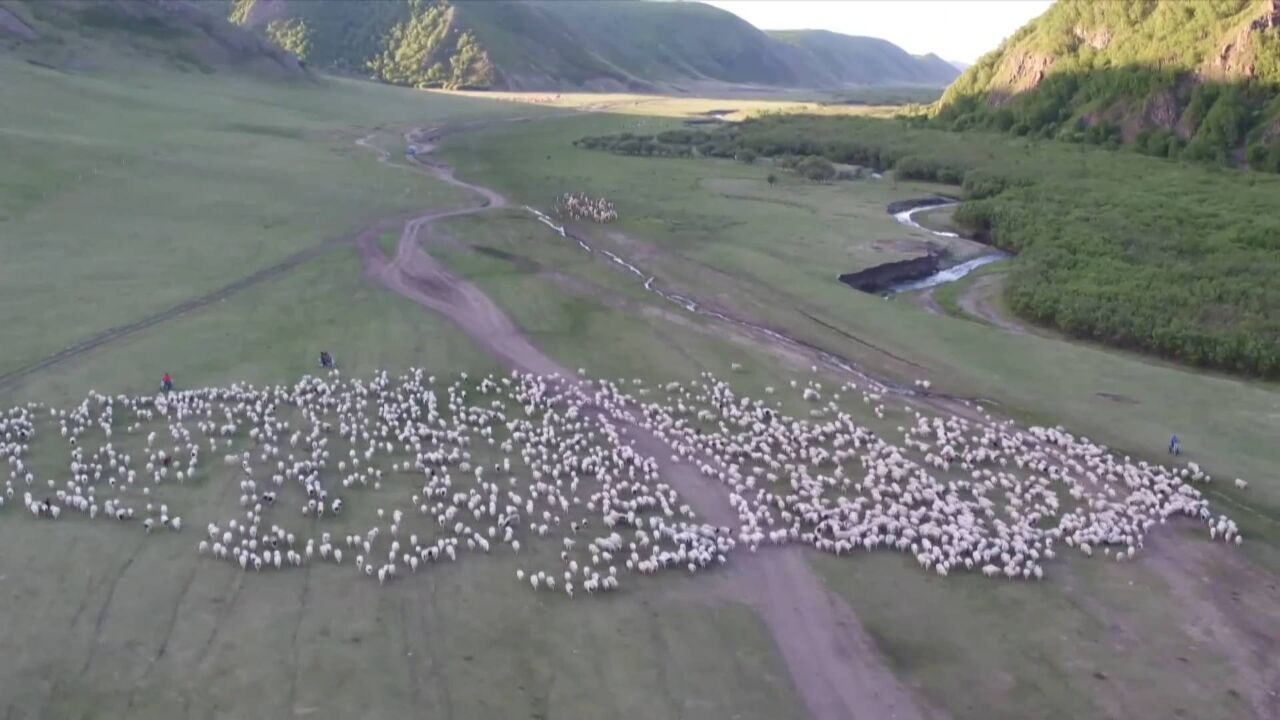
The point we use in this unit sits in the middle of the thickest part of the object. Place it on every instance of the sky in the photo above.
(957, 30)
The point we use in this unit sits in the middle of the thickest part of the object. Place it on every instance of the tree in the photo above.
(291, 35)
(745, 155)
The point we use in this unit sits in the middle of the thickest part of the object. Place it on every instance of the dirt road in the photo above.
(976, 300)
(833, 662)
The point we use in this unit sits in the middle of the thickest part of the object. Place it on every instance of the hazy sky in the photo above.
(955, 29)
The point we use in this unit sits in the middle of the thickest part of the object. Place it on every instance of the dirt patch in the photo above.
(905, 246)
(1231, 605)
(926, 300)
(811, 625)
(522, 263)
(14, 25)
(880, 278)
(978, 301)
(1117, 397)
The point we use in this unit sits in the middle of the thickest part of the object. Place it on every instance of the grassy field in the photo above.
(160, 196)
(874, 102)
(163, 193)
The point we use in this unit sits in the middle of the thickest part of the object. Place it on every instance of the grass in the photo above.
(388, 241)
(154, 198)
(586, 313)
(271, 333)
(876, 102)
(1112, 642)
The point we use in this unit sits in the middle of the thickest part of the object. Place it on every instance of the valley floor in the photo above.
(272, 239)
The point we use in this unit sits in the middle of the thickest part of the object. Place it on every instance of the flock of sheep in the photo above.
(578, 206)
(555, 471)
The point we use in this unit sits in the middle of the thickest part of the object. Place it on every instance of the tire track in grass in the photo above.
(292, 704)
(12, 378)
(106, 606)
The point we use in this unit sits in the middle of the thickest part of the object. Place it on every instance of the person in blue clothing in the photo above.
(1175, 447)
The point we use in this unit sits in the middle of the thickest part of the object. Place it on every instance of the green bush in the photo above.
(1265, 157)
(816, 168)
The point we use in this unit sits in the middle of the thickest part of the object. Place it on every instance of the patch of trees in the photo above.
(292, 35)
(1210, 123)
(405, 42)
(427, 50)
(636, 145)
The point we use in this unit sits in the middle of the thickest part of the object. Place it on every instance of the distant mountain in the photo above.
(190, 35)
(960, 65)
(552, 45)
(851, 60)
(1199, 80)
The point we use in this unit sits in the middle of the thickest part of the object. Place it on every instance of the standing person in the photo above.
(166, 383)
(1175, 447)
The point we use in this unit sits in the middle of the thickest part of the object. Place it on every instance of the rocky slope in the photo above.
(1198, 80)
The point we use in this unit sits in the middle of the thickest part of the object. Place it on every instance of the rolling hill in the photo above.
(1197, 80)
(853, 60)
(536, 45)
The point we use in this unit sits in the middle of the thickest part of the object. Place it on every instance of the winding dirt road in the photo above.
(833, 662)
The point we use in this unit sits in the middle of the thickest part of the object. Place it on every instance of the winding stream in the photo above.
(946, 275)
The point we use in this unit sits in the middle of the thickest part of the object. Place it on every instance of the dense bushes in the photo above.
(916, 167)
(817, 169)
(1174, 259)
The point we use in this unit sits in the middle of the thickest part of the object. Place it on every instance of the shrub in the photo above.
(817, 169)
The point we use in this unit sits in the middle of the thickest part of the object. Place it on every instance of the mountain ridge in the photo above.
(550, 46)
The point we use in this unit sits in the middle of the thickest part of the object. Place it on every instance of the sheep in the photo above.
(1000, 498)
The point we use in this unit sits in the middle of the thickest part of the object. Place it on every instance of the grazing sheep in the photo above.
(520, 458)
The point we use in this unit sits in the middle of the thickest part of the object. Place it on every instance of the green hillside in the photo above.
(1198, 80)
(535, 45)
(76, 34)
